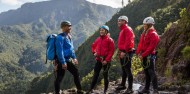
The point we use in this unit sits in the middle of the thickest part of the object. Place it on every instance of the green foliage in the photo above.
(167, 27)
(186, 52)
(183, 13)
(86, 81)
(167, 72)
(136, 65)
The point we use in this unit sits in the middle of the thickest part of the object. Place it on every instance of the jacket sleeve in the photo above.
(94, 45)
(73, 54)
(59, 49)
(139, 45)
(153, 43)
(129, 38)
(111, 51)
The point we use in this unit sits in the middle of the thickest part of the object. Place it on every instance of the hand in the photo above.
(141, 58)
(75, 61)
(122, 55)
(95, 54)
(55, 65)
(64, 66)
(104, 62)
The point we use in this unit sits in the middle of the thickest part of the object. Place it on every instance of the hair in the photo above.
(149, 26)
(126, 22)
(62, 25)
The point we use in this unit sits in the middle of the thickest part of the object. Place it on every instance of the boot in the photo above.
(144, 91)
(128, 91)
(155, 91)
(120, 87)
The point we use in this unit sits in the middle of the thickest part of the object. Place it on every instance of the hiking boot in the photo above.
(155, 91)
(144, 91)
(89, 92)
(80, 92)
(120, 87)
(128, 91)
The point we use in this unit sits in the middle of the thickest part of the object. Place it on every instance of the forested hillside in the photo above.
(23, 33)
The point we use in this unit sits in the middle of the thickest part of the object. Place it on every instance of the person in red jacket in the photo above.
(103, 49)
(147, 53)
(126, 46)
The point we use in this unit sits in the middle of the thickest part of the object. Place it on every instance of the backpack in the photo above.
(51, 47)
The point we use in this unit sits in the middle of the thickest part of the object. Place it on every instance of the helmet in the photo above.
(66, 23)
(148, 20)
(123, 18)
(105, 27)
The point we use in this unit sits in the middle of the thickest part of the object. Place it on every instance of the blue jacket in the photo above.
(64, 48)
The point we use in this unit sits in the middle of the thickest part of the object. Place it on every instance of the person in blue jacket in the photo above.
(66, 58)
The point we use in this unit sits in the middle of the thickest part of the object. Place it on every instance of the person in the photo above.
(66, 58)
(126, 47)
(103, 49)
(146, 52)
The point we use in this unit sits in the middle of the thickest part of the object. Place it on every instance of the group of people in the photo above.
(103, 50)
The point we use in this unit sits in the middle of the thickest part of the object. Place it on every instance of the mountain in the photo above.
(85, 16)
(164, 12)
(23, 32)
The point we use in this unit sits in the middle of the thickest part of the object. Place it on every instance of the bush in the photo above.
(186, 52)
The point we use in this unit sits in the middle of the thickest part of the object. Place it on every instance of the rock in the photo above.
(173, 88)
(140, 78)
(161, 80)
(72, 90)
(117, 81)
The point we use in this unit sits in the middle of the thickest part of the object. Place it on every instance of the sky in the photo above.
(6, 5)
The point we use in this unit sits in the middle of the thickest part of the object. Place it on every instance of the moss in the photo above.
(161, 52)
(167, 72)
(186, 52)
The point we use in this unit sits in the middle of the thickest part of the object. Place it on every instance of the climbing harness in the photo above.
(145, 66)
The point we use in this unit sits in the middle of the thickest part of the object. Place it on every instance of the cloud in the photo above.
(112, 3)
(11, 2)
(17, 2)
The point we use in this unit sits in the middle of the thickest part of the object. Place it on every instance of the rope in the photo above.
(107, 68)
(147, 63)
(126, 57)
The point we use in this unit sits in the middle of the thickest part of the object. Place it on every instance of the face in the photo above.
(145, 26)
(66, 29)
(120, 22)
(103, 32)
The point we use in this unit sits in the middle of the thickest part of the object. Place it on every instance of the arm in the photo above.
(153, 43)
(139, 45)
(111, 51)
(129, 38)
(73, 54)
(59, 49)
(94, 45)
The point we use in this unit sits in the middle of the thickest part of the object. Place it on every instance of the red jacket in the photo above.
(148, 43)
(104, 47)
(126, 38)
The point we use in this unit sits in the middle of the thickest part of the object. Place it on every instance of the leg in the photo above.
(152, 72)
(74, 71)
(106, 78)
(124, 74)
(147, 75)
(97, 70)
(59, 76)
(129, 72)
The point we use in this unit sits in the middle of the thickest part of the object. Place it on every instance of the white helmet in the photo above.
(148, 20)
(123, 18)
